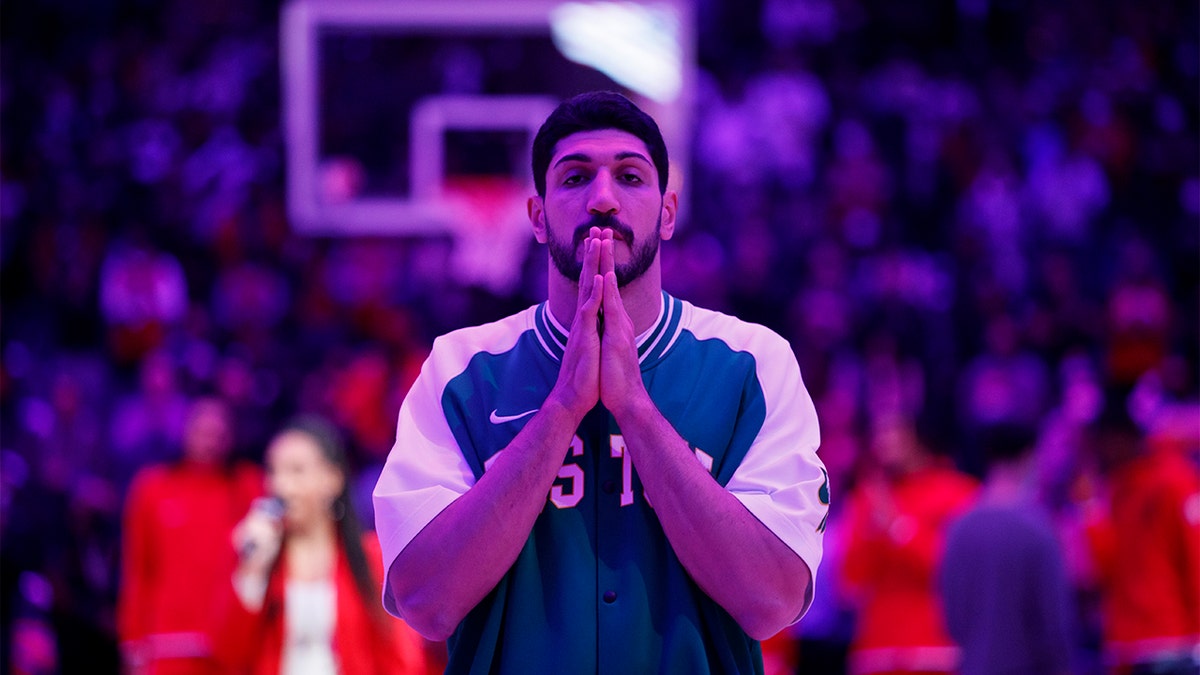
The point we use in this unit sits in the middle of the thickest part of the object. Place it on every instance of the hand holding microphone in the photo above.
(258, 536)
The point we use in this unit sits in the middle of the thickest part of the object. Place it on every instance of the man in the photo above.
(614, 480)
(1144, 538)
(1006, 596)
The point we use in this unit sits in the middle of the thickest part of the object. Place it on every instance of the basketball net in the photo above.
(491, 229)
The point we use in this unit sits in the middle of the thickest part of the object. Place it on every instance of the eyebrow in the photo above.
(581, 157)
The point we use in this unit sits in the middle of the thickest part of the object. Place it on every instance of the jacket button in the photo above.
(610, 597)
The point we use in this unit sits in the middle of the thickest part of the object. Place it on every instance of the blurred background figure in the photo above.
(143, 291)
(146, 426)
(1004, 583)
(59, 535)
(1144, 532)
(305, 596)
(175, 551)
(896, 523)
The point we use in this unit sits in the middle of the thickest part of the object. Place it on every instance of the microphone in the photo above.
(271, 508)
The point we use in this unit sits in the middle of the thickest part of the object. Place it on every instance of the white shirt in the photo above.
(311, 608)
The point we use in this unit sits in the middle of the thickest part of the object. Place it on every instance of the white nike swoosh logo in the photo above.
(501, 419)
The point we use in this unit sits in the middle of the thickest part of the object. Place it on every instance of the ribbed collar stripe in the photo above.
(551, 340)
(651, 345)
(665, 333)
(647, 339)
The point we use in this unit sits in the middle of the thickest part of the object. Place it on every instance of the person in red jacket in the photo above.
(1145, 541)
(175, 551)
(304, 598)
(897, 521)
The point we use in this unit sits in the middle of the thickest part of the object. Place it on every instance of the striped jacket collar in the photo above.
(652, 344)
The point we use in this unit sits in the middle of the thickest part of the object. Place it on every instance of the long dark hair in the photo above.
(329, 440)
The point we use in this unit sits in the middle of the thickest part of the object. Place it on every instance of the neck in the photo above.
(312, 551)
(1008, 483)
(641, 297)
(203, 462)
(315, 533)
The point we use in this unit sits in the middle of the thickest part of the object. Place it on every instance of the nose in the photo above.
(602, 199)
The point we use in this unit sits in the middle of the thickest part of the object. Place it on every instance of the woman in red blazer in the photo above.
(305, 596)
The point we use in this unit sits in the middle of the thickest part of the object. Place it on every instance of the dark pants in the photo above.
(1178, 666)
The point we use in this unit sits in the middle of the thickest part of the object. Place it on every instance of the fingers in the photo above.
(579, 378)
(591, 268)
(612, 292)
(589, 305)
(613, 308)
(591, 288)
(598, 260)
(599, 263)
(620, 374)
(607, 259)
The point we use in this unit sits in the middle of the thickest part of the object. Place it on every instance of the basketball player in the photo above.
(615, 480)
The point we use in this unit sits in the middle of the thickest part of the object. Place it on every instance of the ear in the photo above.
(670, 208)
(536, 208)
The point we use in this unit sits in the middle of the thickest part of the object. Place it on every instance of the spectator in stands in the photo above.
(897, 521)
(1004, 584)
(177, 523)
(146, 426)
(1144, 533)
(143, 293)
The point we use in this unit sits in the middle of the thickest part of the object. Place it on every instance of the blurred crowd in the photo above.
(969, 215)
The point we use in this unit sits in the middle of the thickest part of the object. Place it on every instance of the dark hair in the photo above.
(1007, 441)
(591, 111)
(329, 440)
(932, 431)
(1113, 416)
(1114, 436)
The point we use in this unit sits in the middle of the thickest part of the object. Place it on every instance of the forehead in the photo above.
(295, 446)
(209, 412)
(599, 145)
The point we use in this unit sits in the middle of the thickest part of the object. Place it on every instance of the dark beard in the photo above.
(564, 255)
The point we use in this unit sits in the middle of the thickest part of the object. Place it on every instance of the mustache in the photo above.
(603, 221)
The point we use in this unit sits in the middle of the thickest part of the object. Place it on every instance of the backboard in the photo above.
(394, 110)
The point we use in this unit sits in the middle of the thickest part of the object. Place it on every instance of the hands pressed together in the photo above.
(600, 363)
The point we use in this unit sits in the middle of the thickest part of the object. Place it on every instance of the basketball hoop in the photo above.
(491, 230)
